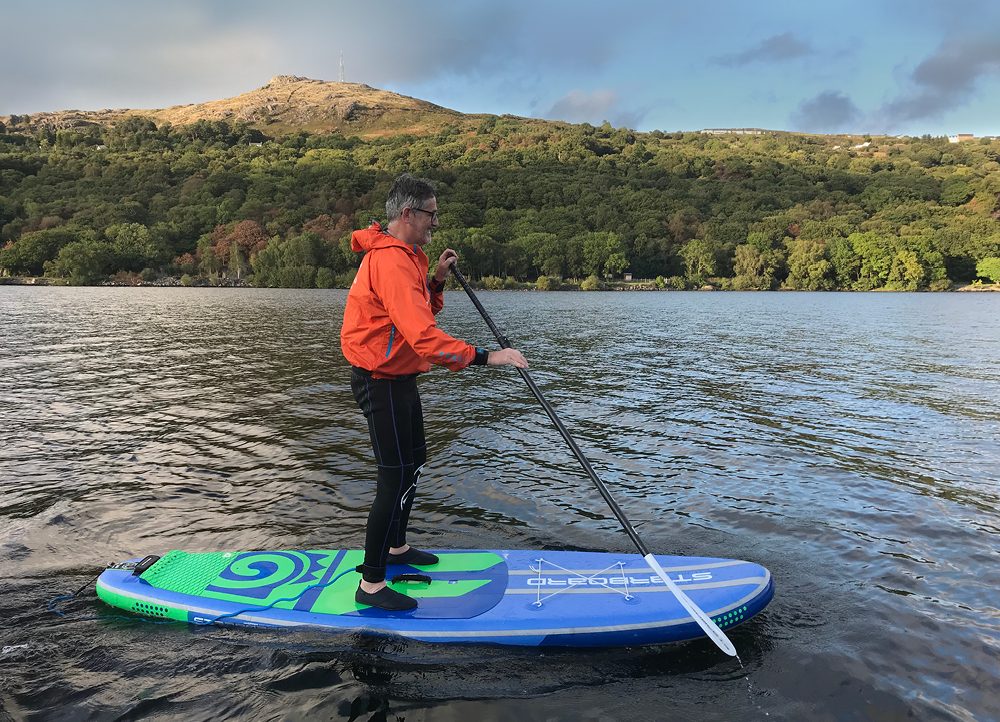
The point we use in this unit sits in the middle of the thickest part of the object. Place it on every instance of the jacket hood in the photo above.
(374, 236)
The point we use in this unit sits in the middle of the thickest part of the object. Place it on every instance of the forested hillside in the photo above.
(219, 201)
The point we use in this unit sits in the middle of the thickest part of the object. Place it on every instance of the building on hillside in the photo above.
(734, 131)
(961, 138)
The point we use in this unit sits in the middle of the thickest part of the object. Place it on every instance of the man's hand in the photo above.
(445, 262)
(507, 357)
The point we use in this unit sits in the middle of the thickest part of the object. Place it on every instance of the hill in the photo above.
(286, 104)
(240, 190)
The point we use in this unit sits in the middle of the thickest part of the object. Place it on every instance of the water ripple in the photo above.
(847, 441)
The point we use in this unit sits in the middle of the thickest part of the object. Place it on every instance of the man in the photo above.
(389, 336)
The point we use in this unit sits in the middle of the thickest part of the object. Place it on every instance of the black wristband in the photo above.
(435, 285)
(482, 356)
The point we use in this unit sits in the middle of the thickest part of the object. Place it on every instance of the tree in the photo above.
(519, 199)
(231, 247)
(955, 192)
(700, 259)
(29, 253)
(487, 254)
(604, 254)
(548, 253)
(237, 265)
(846, 264)
(755, 269)
(808, 267)
(297, 276)
(989, 268)
(209, 262)
(132, 247)
(907, 273)
(333, 230)
(267, 265)
(684, 224)
(616, 264)
(82, 262)
(291, 263)
(185, 264)
(131, 133)
(519, 257)
(249, 236)
(875, 259)
(544, 283)
(9, 210)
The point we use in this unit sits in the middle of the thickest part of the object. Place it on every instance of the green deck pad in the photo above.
(462, 562)
(281, 579)
(187, 572)
(240, 577)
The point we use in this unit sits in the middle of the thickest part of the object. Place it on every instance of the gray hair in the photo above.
(407, 192)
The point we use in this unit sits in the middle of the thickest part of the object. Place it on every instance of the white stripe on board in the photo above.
(634, 589)
(637, 570)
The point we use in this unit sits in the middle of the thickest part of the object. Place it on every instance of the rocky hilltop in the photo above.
(287, 103)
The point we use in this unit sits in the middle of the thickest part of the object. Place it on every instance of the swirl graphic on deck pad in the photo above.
(256, 575)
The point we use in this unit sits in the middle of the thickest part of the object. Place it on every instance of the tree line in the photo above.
(521, 200)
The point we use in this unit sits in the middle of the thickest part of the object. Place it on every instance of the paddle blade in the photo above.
(704, 621)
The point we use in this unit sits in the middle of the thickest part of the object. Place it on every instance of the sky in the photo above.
(899, 67)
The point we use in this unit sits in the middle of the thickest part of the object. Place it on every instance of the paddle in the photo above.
(704, 621)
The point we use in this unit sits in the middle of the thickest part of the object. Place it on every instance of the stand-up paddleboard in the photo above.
(528, 598)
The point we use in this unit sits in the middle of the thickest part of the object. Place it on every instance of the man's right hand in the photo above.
(507, 357)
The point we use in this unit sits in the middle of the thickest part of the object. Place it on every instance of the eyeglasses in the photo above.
(432, 214)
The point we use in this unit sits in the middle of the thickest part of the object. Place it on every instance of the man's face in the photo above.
(422, 221)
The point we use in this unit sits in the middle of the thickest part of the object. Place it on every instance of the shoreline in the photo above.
(611, 286)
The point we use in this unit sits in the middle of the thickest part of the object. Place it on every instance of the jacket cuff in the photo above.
(482, 355)
(435, 285)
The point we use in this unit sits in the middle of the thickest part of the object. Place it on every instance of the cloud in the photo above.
(828, 112)
(774, 49)
(111, 52)
(946, 79)
(596, 107)
(133, 58)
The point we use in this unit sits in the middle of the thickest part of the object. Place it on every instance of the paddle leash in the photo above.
(703, 620)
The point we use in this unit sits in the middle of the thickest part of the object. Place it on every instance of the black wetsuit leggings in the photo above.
(396, 425)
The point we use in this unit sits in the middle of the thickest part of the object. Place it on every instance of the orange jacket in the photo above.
(389, 324)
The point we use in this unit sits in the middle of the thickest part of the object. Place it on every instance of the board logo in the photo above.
(630, 581)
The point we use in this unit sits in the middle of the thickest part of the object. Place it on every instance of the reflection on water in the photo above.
(849, 442)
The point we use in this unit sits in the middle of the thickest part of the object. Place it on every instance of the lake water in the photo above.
(848, 442)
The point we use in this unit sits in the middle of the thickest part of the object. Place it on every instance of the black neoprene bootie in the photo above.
(413, 556)
(385, 598)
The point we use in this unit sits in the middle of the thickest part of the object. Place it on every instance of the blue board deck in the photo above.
(526, 598)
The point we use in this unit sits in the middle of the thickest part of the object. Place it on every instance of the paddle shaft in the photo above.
(505, 343)
(703, 620)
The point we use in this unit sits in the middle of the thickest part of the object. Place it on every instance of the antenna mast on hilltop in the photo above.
(341, 66)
